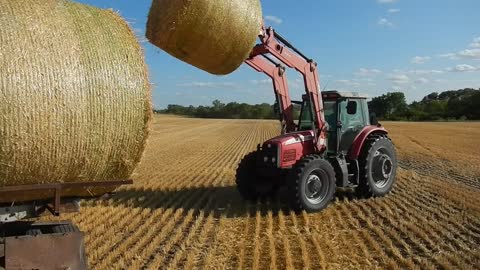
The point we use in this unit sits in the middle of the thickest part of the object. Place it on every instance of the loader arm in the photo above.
(274, 44)
(280, 86)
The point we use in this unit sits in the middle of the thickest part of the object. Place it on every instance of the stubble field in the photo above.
(183, 211)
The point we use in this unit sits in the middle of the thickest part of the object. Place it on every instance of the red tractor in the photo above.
(334, 143)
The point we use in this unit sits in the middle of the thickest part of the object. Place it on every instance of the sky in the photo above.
(368, 46)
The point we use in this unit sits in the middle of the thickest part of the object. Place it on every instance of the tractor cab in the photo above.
(347, 115)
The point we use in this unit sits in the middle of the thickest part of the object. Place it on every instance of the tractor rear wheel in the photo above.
(250, 184)
(311, 184)
(378, 167)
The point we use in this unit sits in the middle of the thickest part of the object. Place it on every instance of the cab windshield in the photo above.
(305, 121)
(330, 112)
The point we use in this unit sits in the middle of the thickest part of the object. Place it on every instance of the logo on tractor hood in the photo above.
(297, 138)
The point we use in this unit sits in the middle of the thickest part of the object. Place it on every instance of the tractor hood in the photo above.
(292, 138)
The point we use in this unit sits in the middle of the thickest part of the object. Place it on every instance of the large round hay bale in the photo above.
(213, 35)
(74, 96)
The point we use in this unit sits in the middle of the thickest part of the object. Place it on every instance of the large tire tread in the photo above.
(294, 183)
(364, 189)
(247, 180)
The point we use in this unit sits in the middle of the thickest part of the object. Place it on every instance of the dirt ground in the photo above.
(183, 211)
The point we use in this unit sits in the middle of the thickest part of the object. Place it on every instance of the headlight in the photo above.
(265, 159)
(274, 160)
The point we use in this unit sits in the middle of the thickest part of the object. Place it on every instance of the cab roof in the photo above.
(337, 94)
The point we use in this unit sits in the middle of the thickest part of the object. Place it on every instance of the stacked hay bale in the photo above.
(213, 35)
(74, 96)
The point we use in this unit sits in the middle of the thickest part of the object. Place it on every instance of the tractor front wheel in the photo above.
(378, 167)
(250, 184)
(311, 184)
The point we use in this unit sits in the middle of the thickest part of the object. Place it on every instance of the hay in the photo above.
(213, 35)
(74, 95)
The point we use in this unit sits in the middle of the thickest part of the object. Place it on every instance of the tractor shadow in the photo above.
(219, 201)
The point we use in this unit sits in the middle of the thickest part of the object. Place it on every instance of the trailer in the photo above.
(26, 243)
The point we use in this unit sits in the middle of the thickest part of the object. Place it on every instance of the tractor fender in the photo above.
(360, 140)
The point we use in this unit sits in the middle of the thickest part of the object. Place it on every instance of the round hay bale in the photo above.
(215, 36)
(74, 96)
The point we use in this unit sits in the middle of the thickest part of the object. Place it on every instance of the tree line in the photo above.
(232, 110)
(461, 104)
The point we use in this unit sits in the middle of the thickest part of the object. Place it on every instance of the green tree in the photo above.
(389, 106)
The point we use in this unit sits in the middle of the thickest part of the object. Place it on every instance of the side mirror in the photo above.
(352, 107)
(373, 119)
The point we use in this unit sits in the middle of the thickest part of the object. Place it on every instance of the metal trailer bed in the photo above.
(43, 245)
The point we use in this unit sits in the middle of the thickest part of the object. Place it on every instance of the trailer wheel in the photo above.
(311, 184)
(378, 167)
(65, 228)
(33, 232)
(250, 185)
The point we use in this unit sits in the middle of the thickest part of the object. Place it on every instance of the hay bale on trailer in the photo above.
(74, 96)
(216, 36)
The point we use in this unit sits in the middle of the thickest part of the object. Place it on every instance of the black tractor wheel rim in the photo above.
(316, 187)
(382, 168)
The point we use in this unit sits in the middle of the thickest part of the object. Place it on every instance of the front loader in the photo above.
(334, 143)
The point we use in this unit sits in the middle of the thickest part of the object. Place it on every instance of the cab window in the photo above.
(351, 120)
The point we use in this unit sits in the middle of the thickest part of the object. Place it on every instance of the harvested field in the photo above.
(184, 212)
(445, 150)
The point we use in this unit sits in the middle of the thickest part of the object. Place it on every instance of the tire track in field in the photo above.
(450, 219)
(408, 227)
(399, 248)
(430, 226)
(451, 236)
(429, 168)
(465, 204)
(376, 238)
(437, 237)
(410, 230)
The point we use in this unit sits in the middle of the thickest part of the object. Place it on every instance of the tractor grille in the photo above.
(268, 156)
